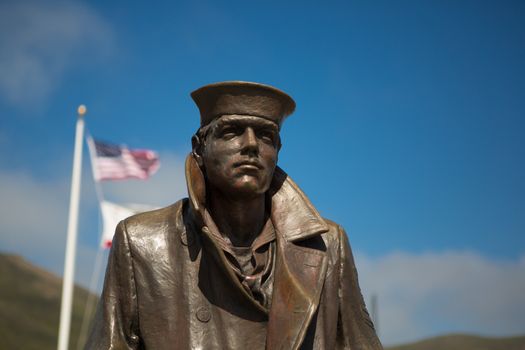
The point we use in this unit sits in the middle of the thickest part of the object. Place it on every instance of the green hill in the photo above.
(30, 306)
(465, 342)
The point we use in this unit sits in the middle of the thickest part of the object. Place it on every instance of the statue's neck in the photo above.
(239, 219)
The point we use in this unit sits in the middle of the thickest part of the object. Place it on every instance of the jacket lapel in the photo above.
(299, 277)
(299, 271)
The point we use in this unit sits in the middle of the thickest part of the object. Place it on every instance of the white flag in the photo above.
(112, 214)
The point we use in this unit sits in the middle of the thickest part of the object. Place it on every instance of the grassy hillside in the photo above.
(465, 342)
(30, 306)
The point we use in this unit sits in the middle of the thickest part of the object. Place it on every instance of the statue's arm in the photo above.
(116, 322)
(355, 329)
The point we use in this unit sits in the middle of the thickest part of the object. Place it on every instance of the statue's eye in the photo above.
(229, 132)
(267, 136)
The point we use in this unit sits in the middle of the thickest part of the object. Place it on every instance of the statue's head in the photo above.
(238, 143)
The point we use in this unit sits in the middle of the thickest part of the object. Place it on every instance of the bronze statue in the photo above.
(246, 262)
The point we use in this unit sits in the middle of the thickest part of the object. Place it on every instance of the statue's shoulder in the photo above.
(334, 234)
(149, 236)
(334, 229)
(156, 221)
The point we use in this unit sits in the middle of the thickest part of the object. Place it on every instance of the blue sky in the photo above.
(408, 131)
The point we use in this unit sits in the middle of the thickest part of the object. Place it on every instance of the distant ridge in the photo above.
(465, 342)
(30, 306)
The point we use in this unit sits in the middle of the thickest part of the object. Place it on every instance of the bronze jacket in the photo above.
(167, 285)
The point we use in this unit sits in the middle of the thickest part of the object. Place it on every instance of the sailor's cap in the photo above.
(242, 98)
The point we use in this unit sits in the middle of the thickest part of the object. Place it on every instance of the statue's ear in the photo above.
(196, 145)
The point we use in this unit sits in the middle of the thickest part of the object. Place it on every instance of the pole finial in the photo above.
(82, 110)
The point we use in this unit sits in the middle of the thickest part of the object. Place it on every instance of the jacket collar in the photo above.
(293, 215)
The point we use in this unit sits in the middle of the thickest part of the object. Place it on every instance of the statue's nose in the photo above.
(250, 140)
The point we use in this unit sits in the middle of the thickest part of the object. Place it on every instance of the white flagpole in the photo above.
(71, 244)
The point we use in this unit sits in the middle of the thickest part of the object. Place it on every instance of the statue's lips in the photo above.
(248, 165)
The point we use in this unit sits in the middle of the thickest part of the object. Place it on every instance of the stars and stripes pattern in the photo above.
(115, 162)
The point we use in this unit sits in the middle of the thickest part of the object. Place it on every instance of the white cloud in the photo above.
(40, 40)
(33, 219)
(34, 212)
(427, 294)
(27, 206)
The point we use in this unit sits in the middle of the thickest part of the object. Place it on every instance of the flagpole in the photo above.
(71, 244)
(97, 267)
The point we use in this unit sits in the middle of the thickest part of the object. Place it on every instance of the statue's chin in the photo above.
(248, 187)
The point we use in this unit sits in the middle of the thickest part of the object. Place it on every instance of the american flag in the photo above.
(114, 162)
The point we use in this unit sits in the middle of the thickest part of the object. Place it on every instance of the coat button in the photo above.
(203, 314)
(187, 238)
(134, 338)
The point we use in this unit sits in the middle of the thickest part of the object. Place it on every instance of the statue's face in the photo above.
(240, 155)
